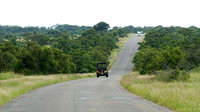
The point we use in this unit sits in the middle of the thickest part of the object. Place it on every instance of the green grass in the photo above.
(143, 36)
(177, 96)
(9, 75)
(13, 85)
(116, 51)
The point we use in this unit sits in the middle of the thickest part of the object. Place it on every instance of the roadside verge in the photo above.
(13, 85)
(177, 96)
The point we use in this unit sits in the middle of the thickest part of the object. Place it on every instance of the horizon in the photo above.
(95, 24)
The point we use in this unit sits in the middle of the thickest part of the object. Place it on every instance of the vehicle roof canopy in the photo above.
(101, 63)
(101, 66)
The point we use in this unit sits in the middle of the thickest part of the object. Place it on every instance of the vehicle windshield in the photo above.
(101, 67)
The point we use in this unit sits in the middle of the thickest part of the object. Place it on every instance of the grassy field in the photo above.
(178, 96)
(116, 51)
(13, 85)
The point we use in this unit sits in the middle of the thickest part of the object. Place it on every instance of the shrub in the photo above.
(84, 70)
(172, 75)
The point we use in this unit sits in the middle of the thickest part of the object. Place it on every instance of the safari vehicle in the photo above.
(139, 33)
(102, 69)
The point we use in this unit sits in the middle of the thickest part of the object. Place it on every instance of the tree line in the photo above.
(55, 50)
(169, 49)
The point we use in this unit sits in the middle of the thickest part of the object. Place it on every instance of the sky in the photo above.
(122, 13)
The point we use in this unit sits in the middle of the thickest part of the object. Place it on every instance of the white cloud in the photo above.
(90, 12)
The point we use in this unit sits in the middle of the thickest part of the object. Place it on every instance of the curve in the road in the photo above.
(88, 95)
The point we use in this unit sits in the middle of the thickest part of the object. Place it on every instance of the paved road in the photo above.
(88, 95)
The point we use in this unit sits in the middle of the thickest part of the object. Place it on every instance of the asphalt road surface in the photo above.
(88, 95)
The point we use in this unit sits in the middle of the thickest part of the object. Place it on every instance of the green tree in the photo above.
(42, 39)
(8, 47)
(29, 59)
(46, 61)
(172, 57)
(7, 61)
(101, 26)
(148, 60)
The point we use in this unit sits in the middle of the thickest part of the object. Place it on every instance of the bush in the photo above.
(172, 75)
(7, 62)
(84, 70)
(149, 60)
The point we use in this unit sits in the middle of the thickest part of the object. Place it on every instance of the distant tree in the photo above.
(8, 47)
(7, 61)
(57, 49)
(46, 61)
(64, 62)
(193, 56)
(14, 41)
(54, 33)
(29, 59)
(101, 26)
(10, 36)
(42, 39)
(71, 29)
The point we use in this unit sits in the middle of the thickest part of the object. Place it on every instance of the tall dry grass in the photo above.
(178, 96)
(14, 84)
